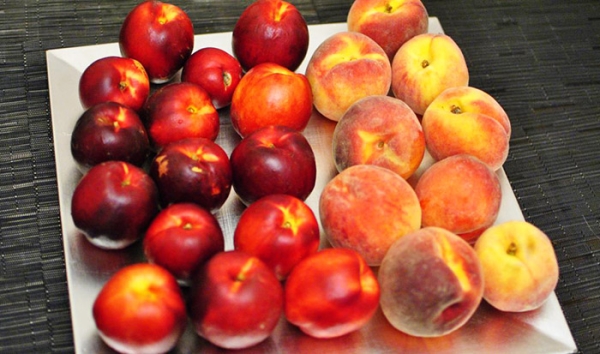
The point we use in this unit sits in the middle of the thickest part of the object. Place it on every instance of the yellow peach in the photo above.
(459, 193)
(519, 266)
(467, 120)
(382, 131)
(366, 208)
(424, 67)
(390, 23)
(431, 283)
(346, 67)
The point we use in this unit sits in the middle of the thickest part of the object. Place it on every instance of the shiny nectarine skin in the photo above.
(114, 79)
(178, 111)
(194, 170)
(270, 94)
(217, 71)
(140, 310)
(160, 36)
(331, 293)
(181, 238)
(236, 300)
(431, 283)
(279, 229)
(109, 131)
(270, 31)
(273, 160)
(114, 203)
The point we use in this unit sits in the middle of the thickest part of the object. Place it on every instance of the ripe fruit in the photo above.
(160, 36)
(181, 238)
(114, 203)
(431, 283)
(424, 67)
(279, 229)
(270, 94)
(519, 266)
(140, 310)
(109, 131)
(114, 79)
(346, 67)
(273, 160)
(194, 170)
(460, 194)
(381, 131)
(178, 111)
(331, 293)
(389, 23)
(236, 300)
(367, 208)
(270, 31)
(216, 71)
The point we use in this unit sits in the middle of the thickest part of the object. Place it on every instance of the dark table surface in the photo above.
(540, 60)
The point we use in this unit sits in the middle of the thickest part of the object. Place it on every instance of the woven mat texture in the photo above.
(539, 59)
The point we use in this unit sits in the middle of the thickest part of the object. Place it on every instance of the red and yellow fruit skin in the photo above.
(160, 36)
(389, 23)
(346, 67)
(331, 293)
(431, 283)
(467, 120)
(519, 266)
(279, 229)
(236, 300)
(270, 94)
(140, 310)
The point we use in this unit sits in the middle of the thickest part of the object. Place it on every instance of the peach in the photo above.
(467, 120)
(431, 283)
(461, 194)
(390, 23)
(346, 67)
(519, 266)
(366, 208)
(424, 67)
(382, 131)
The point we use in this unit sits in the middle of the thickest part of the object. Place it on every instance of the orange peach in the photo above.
(424, 67)
(519, 266)
(366, 208)
(467, 120)
(431, 283)
(346, 67)
(459, 193)
(382, 131)
(390, 23)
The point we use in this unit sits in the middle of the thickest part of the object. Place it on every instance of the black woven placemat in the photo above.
(539, 59)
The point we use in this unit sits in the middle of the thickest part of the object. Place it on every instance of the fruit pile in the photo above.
(424, 245)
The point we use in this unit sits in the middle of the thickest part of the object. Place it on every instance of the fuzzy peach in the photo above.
(366, 208)
(519, 266)
(467, 120)
(431, 283)
(346, 67)
(459, 193)
(424, 67)
(390, 23)
(382, 131)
